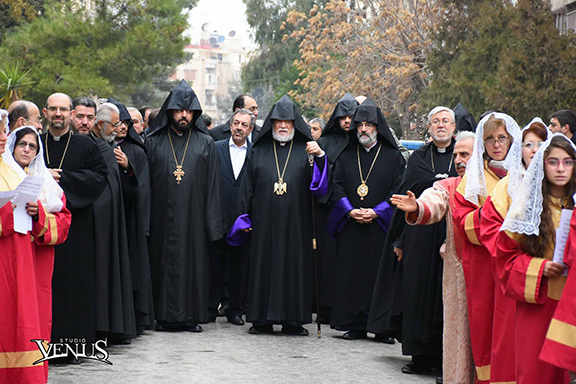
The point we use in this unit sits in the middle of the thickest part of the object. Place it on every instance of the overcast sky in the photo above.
(221, 15)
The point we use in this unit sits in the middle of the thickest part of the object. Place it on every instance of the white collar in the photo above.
(367, 149)
(231, 143)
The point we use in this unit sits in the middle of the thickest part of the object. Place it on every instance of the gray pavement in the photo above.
(226, 353)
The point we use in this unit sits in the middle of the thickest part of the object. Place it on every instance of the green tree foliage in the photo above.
(15, 12)
(271, 69)
(502, 55)
(113, 50)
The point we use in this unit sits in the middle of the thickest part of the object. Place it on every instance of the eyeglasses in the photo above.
(253, 109)
(555, 163)
(531, 145)
(114, 125)
(492, 141)
(23, 144)
(366, 124)
(38, 119)
(62, 109)
(443, 121)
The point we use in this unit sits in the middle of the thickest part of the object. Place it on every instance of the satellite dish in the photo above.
(213, 41)
(232, 33)
(204, 27)
(221, 39)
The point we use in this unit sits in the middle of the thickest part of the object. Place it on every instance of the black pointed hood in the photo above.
(181, 97)
(346, 106)
(369, 111)
(131, 134)
(464, 119)
(284, 109)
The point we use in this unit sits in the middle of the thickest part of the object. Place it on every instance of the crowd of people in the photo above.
(151, 219)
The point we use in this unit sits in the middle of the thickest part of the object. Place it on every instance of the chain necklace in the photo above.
(362, 189)
(178, 173)
(440, 175)
(280, 187)
(65, 150)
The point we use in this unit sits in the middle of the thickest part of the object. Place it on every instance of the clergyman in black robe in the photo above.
(365, 176)
(275, 201)
(333, 141)
(114, 297)
(187, 211)
(408, 302)
(83, 178)
(136, 192)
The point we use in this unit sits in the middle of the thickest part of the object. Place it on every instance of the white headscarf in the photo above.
(51, 195)
(524, 214)
(475, 181)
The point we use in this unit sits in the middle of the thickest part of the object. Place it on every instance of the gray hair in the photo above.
(319, 121)
(438, 109)
(463, 135)
(135, 110)
(105, 111)
(243, 111)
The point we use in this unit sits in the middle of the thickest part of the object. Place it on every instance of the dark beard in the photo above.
(181, 126)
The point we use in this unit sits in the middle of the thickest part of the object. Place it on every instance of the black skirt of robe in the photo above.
(137, 210)
(185, 217)
(280, 273)
(74, 280)
(360, 245)
(114, 296)
(416, 287)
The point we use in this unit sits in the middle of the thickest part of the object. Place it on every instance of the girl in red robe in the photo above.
(526, 246)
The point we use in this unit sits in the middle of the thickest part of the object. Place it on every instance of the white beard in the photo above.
(367, 140)
(282, 139)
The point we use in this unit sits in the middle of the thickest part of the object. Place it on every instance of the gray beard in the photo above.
(107, 138)
(283, 139)
(367, 140)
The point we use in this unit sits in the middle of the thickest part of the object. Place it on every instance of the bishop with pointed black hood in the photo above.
(188, 210)
(275, 201)
(365, 176)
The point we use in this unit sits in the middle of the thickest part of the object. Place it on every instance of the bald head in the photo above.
(58, 111)
(24, 113)
(136, 117)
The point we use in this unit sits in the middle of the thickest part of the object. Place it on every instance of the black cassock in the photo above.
(408, 302)
(114, 297)
(359, 246)
(83, 179)
(185, 217)
(280, 271)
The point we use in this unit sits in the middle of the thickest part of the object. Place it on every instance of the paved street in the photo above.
(226, 353)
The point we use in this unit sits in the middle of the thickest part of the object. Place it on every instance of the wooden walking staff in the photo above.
(314, 252)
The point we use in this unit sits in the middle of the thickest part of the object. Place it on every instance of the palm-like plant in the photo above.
(12, 80)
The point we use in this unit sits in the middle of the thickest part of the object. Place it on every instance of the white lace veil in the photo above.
(475, 182)
(51, 195)
(514, 163)
(524, 214)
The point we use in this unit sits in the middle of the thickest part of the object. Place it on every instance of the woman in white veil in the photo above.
(526, 247)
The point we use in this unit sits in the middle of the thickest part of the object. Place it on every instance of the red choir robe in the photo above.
(477, 265)
(537, 297)
(560, 343)
(20, 321)
(57, 225)
(503, 357)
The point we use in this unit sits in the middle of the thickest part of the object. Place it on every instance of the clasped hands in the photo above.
(363, 215)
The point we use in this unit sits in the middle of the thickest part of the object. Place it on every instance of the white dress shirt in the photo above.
(237, 156)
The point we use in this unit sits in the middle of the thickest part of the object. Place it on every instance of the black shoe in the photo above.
(413, 368)
(294, 331)
(439, 380)
(381, 338)
(193, 328)
(261, 330)
(222, 310)
(354, 335)
(236, 320)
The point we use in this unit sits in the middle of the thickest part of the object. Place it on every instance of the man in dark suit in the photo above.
(228, 263)
(243, 101)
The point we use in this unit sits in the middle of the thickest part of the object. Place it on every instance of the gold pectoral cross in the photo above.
(280, 187)
(179, 173)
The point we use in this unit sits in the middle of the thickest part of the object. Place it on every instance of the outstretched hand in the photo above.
(407, 202)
